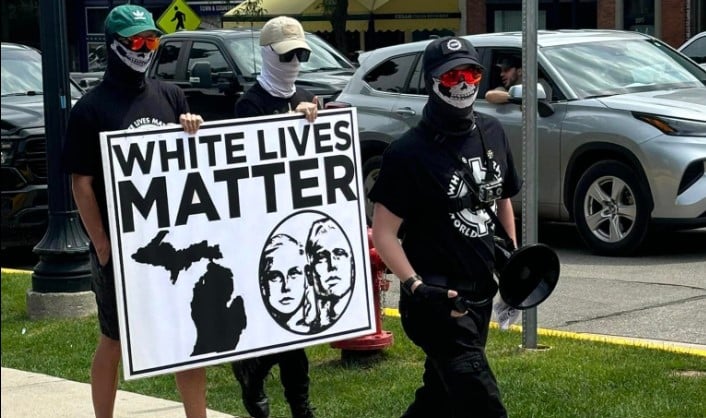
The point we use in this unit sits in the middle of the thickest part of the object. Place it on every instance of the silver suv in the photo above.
(622, 133)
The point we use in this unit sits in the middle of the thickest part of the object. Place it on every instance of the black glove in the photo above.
(425, 293)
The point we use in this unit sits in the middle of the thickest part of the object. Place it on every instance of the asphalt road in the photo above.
(658, 294)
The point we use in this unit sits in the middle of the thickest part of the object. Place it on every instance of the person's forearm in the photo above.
(497, 97)
(392, 254)
(385, 227)
(506, 215)
(88, 210)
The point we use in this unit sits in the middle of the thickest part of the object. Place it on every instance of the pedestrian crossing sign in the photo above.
(178, 16)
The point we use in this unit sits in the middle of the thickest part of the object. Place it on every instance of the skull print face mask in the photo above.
(135, 60)
(458, 87)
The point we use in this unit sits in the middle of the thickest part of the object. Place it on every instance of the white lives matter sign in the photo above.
(245, 239)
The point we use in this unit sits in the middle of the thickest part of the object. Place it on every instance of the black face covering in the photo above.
(118, 71)
(449, 111)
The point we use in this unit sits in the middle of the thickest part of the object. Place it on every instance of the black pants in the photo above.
(457, 380)
(293, 370)
(103, 285)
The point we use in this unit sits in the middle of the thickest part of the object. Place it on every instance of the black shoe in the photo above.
(252, 388)
(258, 407)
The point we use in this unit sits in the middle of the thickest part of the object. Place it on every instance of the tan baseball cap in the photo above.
(284, 34)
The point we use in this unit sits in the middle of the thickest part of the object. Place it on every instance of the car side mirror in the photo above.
(544, 108)
(201, 75)
(515, 92)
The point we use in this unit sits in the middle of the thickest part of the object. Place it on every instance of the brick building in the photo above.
(397, 21)
(673, 21)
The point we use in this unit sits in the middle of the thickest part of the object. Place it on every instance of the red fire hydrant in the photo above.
(380, 339)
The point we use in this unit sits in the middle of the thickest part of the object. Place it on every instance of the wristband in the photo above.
(406, 285)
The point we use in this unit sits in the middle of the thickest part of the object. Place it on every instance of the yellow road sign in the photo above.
(178, 16)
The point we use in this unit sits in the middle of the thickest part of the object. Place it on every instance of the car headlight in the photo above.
(674, 126)
(7, 153)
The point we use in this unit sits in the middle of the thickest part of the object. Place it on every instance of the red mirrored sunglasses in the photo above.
(137, 42)
(453, 77)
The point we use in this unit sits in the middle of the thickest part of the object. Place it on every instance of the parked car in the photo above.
(695, 48)
(214, 68)
(622, 133)
(24, 163)
(87, 80)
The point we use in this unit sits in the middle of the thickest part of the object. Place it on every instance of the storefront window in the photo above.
(95, 20)
(640, 16)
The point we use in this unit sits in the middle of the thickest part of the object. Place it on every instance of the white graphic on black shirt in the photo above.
(146, 123)
(468, 222)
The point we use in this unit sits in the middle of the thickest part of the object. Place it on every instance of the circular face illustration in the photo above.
(307, 272)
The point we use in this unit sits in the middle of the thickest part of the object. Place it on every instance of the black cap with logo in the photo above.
(443, 54)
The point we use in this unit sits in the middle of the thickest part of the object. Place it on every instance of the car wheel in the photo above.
(371, 170)
(611, 208)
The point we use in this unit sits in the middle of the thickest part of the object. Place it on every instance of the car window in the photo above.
(22, 74)
(496, 56)
(605, 68)
(696, 50)
(493, 80)
(246, 51)
(167, 60)
(391, 75)
(209, 53)
(324, 57)
(416, 82)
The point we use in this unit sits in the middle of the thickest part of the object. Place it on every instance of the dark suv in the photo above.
(24, 164)
(214, 67)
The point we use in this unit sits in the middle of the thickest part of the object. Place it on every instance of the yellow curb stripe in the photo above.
(631, 342)
(666, 346)
(10, 271)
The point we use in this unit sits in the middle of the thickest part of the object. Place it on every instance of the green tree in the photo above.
(336, 11)
(251, 11)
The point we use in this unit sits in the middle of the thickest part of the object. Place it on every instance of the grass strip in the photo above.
(572, 378)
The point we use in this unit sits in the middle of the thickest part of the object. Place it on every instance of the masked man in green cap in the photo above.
(124, 99)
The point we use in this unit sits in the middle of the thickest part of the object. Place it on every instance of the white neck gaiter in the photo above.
(277, 78)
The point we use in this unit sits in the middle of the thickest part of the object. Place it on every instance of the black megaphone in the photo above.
(526, 276)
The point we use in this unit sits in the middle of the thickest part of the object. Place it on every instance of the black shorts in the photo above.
(103, 285)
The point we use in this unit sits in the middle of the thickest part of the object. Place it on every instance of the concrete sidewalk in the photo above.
(31, 395)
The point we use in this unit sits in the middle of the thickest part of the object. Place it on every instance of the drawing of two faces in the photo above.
(307, 287)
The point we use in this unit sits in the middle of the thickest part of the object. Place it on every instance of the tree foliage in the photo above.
(336, 11)
(251, 11)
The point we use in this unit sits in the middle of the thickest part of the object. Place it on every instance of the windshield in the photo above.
(22, 74)
(615, 67)
(246, 52)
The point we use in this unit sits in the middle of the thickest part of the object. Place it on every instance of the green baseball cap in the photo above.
(128, 20)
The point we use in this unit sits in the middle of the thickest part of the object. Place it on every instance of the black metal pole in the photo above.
(63, 251)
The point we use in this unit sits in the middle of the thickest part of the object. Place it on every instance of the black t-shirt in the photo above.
(418, 180)
(258, 102)
(111, 107)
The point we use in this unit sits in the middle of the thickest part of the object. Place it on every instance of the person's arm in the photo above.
(506, 215)
(497, 96)
(385, 227)
(309, 109)
(85, 198)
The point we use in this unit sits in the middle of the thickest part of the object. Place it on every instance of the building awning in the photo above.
(388, 15)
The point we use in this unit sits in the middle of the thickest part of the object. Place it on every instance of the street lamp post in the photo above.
(63, 265)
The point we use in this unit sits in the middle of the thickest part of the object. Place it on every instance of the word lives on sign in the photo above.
(245, 239)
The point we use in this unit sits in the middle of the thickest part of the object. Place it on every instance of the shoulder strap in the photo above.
(471, 199)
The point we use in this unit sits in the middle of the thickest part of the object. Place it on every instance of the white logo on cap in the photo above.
(453, 45)
(138, 15)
